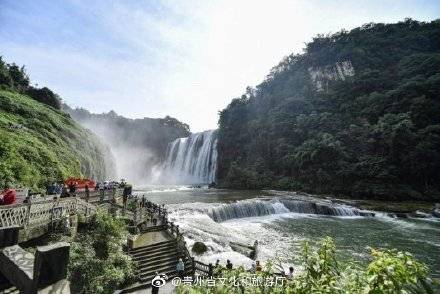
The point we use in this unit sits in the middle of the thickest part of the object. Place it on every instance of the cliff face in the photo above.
(358, 113)
(40, 144)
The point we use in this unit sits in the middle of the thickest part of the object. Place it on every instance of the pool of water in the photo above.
(281, 232)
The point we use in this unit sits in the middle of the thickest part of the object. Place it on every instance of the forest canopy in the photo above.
(358, 113)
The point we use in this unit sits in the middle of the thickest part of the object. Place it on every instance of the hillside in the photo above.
(138, 145)
(358, 113)
(39, 143)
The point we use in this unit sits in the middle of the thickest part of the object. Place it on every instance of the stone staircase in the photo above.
(159, 257)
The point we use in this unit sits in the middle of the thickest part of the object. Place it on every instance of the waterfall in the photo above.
(246, 208)
(250, 208)
(192, 160)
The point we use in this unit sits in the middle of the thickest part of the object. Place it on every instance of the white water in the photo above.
(191, 160)
(280, 221)
(252, 208)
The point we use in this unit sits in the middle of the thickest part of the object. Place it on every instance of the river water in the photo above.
(281, 221)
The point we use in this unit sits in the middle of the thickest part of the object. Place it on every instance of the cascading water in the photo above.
(251, 208)
(192, 160)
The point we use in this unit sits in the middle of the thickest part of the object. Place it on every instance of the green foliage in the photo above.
(39, 144)
(389, 271)
(15, 78)
(97, 261)
(46, 96)
(372, 134)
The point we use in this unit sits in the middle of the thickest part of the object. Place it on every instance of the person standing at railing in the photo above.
(228, 264)
(180, 268)
(72, 189)
(258, 267)
(64, 192)
(87, 192)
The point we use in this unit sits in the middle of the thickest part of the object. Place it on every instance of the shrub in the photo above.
(97, 261)
(45, 95)
(389, 271)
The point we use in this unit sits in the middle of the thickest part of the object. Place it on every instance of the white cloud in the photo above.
(188, 58)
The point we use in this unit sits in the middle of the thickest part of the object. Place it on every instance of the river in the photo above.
(281, 221)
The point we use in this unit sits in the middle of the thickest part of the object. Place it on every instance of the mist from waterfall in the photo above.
(191, 160)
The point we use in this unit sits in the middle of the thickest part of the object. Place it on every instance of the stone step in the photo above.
(152, 249)
(159, 258)
(154, 245)
(144, 255)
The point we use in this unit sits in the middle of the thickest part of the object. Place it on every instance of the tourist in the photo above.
(253, 267)
(228, 264)
(87, 192)
(290, 273)
(180, 268)
(72, 188)
(217, 263)
(8, 196)
(64, 192)
(59, 188)
(155, 286)
(258, 267)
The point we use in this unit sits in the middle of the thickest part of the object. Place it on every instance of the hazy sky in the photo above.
(186, 59)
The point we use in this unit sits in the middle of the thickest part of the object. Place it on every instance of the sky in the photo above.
(183, 58)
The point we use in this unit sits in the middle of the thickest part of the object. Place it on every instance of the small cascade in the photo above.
(251, 208)
(192, 160)
(246, 208)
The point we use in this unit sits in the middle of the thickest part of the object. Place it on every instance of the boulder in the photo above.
(199, 248)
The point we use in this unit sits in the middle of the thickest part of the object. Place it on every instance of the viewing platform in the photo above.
(155, 243)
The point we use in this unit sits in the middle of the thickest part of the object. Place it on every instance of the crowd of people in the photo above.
(61, 189)
(71, 187)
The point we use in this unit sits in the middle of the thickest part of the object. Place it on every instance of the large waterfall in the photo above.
(192, 160)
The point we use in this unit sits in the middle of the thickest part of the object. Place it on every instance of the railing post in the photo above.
(28, 213)
(210, 270)
(136, 212)
(193, 263)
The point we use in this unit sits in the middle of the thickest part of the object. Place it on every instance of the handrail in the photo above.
(42, 212)
(144, 208)
(203, 269)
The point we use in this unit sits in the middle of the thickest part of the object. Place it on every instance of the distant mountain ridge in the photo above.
(138, 145)
(358, 113)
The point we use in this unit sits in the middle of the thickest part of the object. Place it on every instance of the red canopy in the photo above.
(8, 196)
(80, 183)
